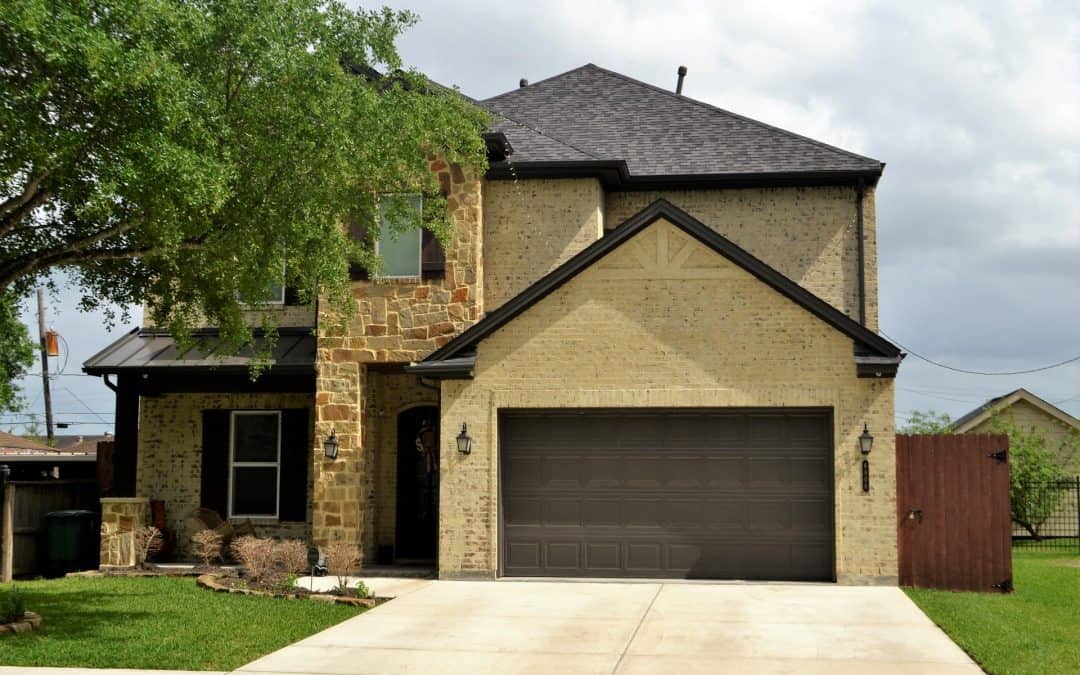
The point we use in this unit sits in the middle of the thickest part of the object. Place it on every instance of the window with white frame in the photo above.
(274, 294)
(399, 246)
(254, 463)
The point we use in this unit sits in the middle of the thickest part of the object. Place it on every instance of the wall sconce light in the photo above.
(330, 445)
(866, 441)
(464, 441)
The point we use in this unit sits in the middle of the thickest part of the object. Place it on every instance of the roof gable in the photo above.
(874, 355)
(592, 115)
(994, 406)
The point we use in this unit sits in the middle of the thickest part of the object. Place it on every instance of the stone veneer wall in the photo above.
(170, 455)
(121, 516)
(533, 226)
(806, 233)
(394, 322)
(696, 333)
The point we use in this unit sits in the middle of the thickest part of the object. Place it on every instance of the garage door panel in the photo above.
(701, 494)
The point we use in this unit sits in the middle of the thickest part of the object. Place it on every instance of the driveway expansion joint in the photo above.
(633, 635)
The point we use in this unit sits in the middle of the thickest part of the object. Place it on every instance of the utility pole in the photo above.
(44, 364)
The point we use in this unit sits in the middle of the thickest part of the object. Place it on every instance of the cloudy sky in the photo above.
(975, 107)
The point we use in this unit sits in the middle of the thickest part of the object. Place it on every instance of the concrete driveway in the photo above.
(685, 628)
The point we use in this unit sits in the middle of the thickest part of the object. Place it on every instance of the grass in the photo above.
(1035, 629)
(159, 623)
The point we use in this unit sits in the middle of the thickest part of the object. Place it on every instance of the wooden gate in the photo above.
(952, 501)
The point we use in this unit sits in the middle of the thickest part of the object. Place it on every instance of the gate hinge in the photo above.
(1005, 586)
(1000, 455)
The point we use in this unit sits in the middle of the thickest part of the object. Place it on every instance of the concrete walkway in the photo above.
(578, 627)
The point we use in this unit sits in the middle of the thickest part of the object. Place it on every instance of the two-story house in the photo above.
(649, 350)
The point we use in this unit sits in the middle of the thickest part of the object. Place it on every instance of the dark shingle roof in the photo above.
(593, 114)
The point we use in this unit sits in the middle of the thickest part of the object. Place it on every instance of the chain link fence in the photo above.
(1046, 516)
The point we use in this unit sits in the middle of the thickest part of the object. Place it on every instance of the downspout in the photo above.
(860, 192)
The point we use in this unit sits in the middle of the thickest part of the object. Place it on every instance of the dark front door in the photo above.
(417, 484)
(722, 493)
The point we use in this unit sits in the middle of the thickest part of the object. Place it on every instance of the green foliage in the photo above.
(1034, 471)
(16, 353)
(12, 604)
(362, 590)
(180, 153)
(929, 422)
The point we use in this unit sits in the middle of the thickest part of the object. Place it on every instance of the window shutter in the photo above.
(295, 458)
(357, 233)
(215, 461)
(432, 258)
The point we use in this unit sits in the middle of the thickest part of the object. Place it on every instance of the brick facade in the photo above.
(707, 334)
(170, 455)
(806, 233)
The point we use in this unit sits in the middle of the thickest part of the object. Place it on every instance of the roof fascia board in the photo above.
(615, 176)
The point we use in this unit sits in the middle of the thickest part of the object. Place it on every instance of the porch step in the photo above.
(399, 571)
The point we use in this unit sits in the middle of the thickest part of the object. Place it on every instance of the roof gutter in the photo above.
(615, 176)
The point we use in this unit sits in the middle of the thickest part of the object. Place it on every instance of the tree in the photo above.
(928, 422)
(1035, 473)
(16, 354)
(181, 154)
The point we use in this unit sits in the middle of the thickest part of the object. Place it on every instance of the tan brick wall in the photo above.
(697, 334)
(396, 322)
(807, 233)
(170, 455)
(533, 226)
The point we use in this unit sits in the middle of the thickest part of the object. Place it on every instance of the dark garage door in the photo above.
(724, 494)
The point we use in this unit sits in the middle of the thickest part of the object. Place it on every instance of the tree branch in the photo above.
(15, 209)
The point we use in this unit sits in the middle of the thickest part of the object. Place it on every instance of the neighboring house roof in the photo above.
(76, 442)
(143, 350)
(996, 405)
(636, 133)
(19, 449)
(874, 356)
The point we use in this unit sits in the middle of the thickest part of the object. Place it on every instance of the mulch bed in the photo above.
(234, 584)
(29, 622)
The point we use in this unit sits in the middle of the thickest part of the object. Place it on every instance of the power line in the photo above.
(978, 372)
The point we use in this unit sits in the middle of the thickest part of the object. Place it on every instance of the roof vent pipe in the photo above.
(522, 83)
(682, 76)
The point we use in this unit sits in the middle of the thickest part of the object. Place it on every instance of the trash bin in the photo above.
(70, 541)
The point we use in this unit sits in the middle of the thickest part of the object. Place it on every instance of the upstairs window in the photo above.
(399, 245)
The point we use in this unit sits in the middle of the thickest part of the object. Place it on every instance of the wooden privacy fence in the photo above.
(22, 519)
(952, 501)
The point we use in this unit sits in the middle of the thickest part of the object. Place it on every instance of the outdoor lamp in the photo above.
(330, 445)
(464, 441)
(866, 441)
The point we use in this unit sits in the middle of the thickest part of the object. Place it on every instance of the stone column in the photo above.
(120, 518)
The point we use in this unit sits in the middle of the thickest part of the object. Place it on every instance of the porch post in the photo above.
(126, 448)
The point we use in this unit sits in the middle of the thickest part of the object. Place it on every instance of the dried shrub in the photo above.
(257, 557)
(341, 559)
(148, 542)
(292, 556)
(207, 546)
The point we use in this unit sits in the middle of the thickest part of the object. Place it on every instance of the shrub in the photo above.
(148, 542)
(292, 556)
(207, 546)
(341, 558)
(12, 605)
(362, 591)
(257, 557)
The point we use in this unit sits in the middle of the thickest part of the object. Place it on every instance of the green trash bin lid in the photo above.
(71, 513)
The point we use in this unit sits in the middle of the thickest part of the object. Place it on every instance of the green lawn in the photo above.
(1035, 629)
(157, 622)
